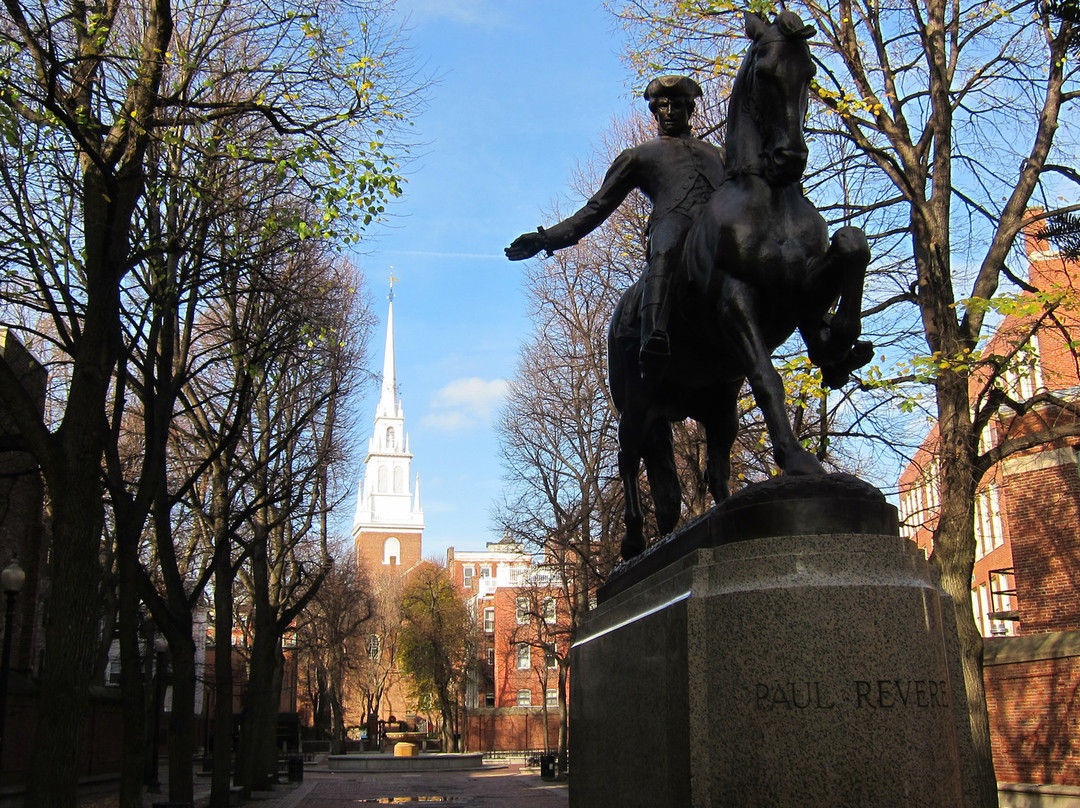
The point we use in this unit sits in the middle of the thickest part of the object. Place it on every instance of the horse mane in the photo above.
(743, 140)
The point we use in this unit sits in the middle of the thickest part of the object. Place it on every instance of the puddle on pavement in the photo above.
(397, 800)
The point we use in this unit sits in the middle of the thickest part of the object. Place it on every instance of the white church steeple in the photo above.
(389, 404)
(384, 502)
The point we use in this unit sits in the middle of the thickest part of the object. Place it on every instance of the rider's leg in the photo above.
(654, 313)
(664, 253)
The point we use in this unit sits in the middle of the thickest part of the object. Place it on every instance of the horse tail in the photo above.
(623, 345)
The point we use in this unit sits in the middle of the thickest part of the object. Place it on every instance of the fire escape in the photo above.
(1002, 586)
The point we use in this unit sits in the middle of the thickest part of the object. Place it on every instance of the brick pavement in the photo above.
(492, 787)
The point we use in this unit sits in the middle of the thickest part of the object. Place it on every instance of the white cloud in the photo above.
(465, 403)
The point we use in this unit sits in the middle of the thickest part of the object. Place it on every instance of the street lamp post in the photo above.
(12, 579)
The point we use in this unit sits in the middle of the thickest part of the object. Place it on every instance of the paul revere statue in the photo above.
(677, 172)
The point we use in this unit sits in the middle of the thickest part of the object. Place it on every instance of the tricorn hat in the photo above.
(672, 86)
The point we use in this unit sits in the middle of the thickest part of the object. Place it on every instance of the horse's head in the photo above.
(769, 99)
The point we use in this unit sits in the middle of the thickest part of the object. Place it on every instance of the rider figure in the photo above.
(677, 172)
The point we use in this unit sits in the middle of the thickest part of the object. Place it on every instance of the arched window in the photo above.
(383, 478)
(390, 439)
(399, 480)
(391, 551)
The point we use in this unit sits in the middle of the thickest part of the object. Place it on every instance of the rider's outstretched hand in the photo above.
(525, 246)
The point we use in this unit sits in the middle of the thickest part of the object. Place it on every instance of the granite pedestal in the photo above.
(817, 667)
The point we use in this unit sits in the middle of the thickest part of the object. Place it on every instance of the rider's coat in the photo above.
(676, 173)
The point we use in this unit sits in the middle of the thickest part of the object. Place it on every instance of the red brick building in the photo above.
(513, 703)
(1027, 523)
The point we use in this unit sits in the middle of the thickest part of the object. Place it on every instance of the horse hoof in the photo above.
(632, 546)
(802, 462)
(861, 354)
(836, 374)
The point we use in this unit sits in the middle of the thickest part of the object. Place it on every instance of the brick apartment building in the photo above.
(1027, 523)
(513, 702)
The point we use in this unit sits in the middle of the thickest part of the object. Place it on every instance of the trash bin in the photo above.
(547, 767)
(296, 769)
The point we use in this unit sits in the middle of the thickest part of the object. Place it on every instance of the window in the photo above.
(515, 575)
(489, 620)
(551, 697)
(391, 443)
(491, 657)
(485, 570)
(550, 662)
(383, 478)
(522, 611)
(524, 657)
(988, 532)
(391, 552)
(399, 480)
(467, 573)
(524, 698)
(489, 699)
(373, 646)
(549, 610)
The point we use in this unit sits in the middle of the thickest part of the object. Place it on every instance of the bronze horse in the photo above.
(758, 264)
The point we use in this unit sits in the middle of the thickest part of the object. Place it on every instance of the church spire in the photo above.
(389, 406)
(384, 500)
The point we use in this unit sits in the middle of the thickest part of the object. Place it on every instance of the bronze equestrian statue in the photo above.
(756, 264)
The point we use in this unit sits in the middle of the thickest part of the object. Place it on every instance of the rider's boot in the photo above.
(655, 347)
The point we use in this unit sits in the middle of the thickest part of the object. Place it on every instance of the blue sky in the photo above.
(524, 92)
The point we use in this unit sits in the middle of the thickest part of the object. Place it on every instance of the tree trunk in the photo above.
(322, 720)
(337, 718)
(564, 720)
(72, 469)
(182, 721)
(257, 757)
(70, 641)
(133, 680)
(954, 557)
(221, 780)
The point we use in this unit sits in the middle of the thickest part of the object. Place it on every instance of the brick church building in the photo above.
(1027, 524)
(388, 526)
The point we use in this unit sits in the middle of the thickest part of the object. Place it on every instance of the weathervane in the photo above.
(390, 296)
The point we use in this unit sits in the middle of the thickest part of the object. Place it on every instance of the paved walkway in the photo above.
(502, 787)
(495, 786)
(507, 786)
